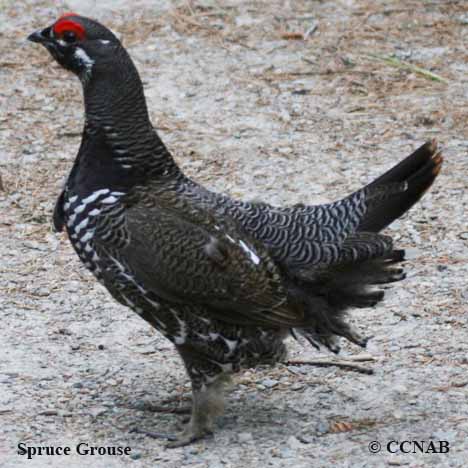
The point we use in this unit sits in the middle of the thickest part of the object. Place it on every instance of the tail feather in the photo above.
(418, 171)
(328, 296)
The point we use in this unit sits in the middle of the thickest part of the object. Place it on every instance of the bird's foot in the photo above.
(189, 435)
(186, 437)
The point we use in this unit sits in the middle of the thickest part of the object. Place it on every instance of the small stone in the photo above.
(297, 386)
(396, 462)
(244, 437)
(294, 443)
(287, 453)
(400, 388)
(100, 347)
(77, 385)
(269, 383)
(95, 412)
(463, 19)
(42, 292)
(304, 439)
(75, 347)
(135, 456)
(323, 427)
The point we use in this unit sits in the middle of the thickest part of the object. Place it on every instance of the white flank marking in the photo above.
(119, 265)
(71, 220)
(94, 212)
(129, 302)
(127, 276)
(95, 195)
(253, 256)
(82, 225)
(232, 345)
(156, 305)
(109, 200)
(79, 208)
(180, 339)
(87, 237)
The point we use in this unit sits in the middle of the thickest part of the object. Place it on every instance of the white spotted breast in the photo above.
(80, 217)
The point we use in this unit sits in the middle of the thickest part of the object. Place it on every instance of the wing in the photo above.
(194, 259)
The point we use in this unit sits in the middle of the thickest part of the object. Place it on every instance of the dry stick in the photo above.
(321, 362)
(394, 62)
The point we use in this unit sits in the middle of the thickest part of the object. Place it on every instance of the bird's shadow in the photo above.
(273, 415)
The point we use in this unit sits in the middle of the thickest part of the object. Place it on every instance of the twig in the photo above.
(321, 362)
(310, 31)
(394, 62)
(363, 357)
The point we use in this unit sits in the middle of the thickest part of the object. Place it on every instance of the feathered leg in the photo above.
(208, 404)
(208, 380)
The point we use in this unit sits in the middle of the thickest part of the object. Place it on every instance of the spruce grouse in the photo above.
(225, 281)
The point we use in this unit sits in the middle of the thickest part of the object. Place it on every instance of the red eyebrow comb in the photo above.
(63, 24)
(66, 15)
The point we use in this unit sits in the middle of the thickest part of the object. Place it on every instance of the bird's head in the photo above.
(78, 43)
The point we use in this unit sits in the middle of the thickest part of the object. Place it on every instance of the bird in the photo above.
(225, 280)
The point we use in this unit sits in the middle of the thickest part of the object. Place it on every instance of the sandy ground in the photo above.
(250, 105)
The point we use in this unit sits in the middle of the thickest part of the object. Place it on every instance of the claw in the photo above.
(165, 409)
(153, 435)
(188, 437)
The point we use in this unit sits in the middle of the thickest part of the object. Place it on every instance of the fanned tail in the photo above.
(365, 258)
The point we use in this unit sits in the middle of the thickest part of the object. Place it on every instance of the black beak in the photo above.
(40, 36)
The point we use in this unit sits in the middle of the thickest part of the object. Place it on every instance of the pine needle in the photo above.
(394, 62)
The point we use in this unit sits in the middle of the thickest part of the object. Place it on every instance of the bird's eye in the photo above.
(69, 37)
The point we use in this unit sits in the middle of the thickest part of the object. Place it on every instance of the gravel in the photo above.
(249, 113)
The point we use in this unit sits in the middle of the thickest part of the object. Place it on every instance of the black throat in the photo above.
(120, 147)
